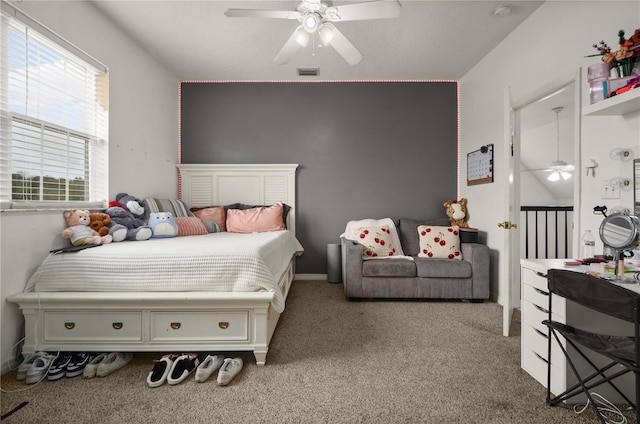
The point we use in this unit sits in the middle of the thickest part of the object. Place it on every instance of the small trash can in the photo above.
(334, 263)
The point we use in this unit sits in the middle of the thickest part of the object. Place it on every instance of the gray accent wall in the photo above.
(365, 149)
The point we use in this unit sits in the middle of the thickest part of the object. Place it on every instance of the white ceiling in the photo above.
(194, 40)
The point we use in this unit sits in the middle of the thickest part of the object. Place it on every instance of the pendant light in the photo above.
(559, 168)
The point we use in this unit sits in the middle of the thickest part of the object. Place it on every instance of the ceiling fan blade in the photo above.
(262, 13)
(360, 11)
(338, 41)
(298, 39)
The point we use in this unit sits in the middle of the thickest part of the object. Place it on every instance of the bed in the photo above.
(228, 294)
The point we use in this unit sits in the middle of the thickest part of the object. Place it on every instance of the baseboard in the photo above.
(309, 277)
(9, 365)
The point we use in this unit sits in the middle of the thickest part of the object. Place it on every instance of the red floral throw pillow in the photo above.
(439, 242)
(377, 242)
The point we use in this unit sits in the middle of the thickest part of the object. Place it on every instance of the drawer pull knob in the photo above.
(540, 274)
(69, 325)
(176, 325)
(541, 357)
(117, 325)
(542, 292)
(223, 324)
(540, 308)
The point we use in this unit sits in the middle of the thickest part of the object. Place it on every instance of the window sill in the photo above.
(13, 207)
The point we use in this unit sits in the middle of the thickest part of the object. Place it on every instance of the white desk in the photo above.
(534, 335)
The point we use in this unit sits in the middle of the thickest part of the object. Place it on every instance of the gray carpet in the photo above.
(331, 361)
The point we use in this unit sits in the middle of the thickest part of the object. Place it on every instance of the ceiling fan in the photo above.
(558, 168)
(317, 16)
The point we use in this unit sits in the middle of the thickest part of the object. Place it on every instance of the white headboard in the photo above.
(201, 185)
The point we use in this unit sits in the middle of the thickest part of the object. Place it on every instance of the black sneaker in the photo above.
(59, 367)
(77, 363)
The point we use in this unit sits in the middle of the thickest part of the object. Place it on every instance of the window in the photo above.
(54, 112)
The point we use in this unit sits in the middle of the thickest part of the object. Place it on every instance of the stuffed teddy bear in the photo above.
(78, 230)
(101, 222)
(163, 225)
(457, 212)
(129, 211)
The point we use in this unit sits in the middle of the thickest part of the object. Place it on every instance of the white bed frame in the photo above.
(171, 321)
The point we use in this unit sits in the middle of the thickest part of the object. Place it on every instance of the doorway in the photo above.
(539, 135)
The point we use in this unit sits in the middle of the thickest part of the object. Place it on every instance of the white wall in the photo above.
(542, 54)
(143, 134)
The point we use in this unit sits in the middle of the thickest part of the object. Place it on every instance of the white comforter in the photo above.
(214, 262)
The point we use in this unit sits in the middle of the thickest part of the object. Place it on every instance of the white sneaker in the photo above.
(39, 369)
(230, 368)
(91, 368)
(208, 367)
(113, 362)
(26, 364)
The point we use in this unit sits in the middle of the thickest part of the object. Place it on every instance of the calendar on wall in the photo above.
(480, 165)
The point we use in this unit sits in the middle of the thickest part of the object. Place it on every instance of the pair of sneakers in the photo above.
(106, 363)
(229, 368)
(35, 367)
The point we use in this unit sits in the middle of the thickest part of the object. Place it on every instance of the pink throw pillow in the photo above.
(255, 220)
(190, 226)
(216, 214)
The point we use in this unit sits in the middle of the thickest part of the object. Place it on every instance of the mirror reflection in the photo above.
(620, 231)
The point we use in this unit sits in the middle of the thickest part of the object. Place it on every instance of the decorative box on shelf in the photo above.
(468, 235)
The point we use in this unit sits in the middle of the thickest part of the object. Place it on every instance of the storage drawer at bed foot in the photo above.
(94, 326)
(199, 326)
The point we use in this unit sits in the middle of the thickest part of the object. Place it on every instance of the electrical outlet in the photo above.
(608, 192)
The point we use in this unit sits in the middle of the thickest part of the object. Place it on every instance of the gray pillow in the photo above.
(408, 232)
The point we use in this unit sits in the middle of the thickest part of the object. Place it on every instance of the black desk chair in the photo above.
(605, 297)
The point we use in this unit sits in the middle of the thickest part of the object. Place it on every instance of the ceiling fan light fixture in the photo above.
(554, 176)
(302, 38)
(310, 22)
(565, 175)
(326, 34)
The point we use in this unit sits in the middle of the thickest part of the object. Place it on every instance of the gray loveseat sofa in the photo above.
(421, 278)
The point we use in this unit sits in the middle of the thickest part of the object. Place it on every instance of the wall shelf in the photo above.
(619, 105)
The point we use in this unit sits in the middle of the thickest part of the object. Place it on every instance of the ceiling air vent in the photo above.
(308, 72)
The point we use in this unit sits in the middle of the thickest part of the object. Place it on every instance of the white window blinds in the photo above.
(54, 106)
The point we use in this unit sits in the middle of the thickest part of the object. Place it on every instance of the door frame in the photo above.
(510, 265)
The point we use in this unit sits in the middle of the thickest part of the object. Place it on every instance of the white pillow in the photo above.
(352, 232)
(439, 242)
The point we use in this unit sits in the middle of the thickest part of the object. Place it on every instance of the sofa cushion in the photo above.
(408, 233)
(442, 268)
(439, 242)
(387, 268)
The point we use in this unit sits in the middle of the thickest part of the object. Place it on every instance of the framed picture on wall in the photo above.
(480, 165)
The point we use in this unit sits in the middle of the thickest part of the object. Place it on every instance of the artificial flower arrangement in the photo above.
(626, 60)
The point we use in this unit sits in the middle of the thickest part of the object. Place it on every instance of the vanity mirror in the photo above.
(636, 187)
(620, 232)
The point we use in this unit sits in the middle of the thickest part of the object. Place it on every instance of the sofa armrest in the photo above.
(478, 255)
(352, 267)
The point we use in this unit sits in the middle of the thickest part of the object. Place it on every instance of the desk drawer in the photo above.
(200, 326)
(536, 339)
(535, 314)
(540, 298)
(534, 279)
(79, 326)
(536, 366)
